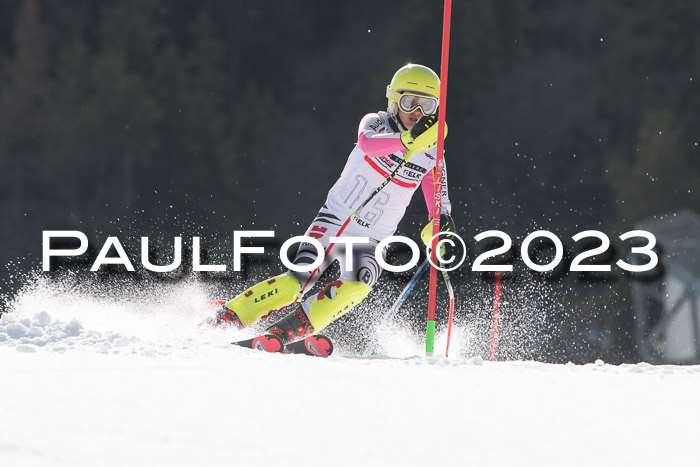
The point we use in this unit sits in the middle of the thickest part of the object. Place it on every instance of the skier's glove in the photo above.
(423, 135)
(422, 125)
(447, 224)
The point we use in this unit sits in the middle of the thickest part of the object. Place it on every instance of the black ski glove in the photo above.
(423, 124)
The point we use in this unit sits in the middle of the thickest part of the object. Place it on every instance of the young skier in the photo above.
(406, 130)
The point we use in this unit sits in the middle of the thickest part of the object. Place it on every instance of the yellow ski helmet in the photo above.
(413, 81)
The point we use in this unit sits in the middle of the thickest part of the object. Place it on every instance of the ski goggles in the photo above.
(410, 102)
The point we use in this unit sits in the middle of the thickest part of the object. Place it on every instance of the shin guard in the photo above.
(334, 301)
(264, 297)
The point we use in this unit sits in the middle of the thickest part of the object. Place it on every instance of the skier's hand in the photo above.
(447, 224)
(423, 124)
(423, 135)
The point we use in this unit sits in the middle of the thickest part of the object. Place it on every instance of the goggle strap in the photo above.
(393, 95)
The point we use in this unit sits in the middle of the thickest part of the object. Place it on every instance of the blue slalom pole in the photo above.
(397, 304)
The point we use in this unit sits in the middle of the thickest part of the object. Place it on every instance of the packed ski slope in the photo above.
(92, 381)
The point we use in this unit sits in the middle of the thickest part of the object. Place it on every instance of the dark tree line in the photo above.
(146, 117)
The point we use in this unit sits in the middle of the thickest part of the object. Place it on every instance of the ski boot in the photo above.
(319, 311)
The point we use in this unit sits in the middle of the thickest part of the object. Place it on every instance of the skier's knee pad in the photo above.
(334, 301)
(264, 297)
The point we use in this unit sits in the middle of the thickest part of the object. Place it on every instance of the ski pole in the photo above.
(452, 307)
(395, 307)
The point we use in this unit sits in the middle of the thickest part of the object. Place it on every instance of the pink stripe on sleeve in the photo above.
(374, 144)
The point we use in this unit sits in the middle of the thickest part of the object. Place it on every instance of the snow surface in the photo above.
(104, 381)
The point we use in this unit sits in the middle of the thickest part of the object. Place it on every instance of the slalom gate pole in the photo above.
(439, 163)
(496, 309)
(452, 308)
(395, 307)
